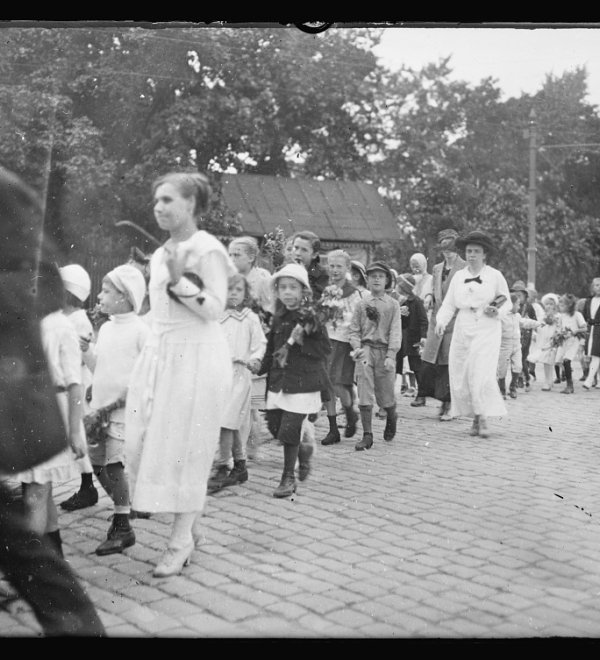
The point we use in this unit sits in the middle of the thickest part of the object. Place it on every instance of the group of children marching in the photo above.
(553, 334)
(302, 337)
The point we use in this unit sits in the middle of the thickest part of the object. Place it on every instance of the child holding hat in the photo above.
(295, 361)
(120, 341)
(376, 336)
(78, 285)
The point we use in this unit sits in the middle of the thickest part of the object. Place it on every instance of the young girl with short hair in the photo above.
(544, 348)
(247, 343)
(574, 327)
(295, 361)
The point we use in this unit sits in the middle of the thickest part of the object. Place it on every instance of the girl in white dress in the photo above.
(61, 346)
(174, 410)
(544, 349)
(480, 295)
(247, 343)
(574, 327)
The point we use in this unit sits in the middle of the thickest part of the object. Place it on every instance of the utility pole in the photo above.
(531, 248)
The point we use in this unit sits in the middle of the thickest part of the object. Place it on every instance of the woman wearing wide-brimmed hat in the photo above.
(433, 380)
(480, 295)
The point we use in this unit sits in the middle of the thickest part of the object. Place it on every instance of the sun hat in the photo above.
(549, 296)
(475, 237)
(131, 282)
(295, 270)
(76, 281)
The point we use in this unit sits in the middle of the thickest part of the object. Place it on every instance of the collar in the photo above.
(237, 314)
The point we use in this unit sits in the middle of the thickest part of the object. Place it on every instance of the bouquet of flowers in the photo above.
(372, 313)
(313, 315)
(273, 246)
(96, 423)
(559, 338)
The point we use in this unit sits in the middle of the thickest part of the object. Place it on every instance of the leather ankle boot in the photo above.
(287, 485)
(238, 475)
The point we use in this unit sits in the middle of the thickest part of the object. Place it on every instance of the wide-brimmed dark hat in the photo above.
(519, 285)
(475, 237)
(447, 238)
(359, 266)
(381, 265)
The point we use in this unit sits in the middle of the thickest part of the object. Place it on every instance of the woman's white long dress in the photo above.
(180, 383)
(475, 346)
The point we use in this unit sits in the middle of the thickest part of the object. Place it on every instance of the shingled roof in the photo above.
(345, 211)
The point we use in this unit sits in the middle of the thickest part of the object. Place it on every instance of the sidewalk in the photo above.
(436, 534)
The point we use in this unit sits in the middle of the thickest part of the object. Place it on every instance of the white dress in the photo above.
(475, 346)
(543, 350)
(570, 348)
(247, 342)
(180, 382)
(61, 346)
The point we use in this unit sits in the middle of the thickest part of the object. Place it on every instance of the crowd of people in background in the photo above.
(197, 345)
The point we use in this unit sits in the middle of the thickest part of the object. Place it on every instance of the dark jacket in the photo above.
(593, 327)
(527, 311)
(318, 278)
(305, 370)
(414, 326)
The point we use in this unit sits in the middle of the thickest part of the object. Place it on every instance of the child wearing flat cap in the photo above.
(375, 335)
(120, 341)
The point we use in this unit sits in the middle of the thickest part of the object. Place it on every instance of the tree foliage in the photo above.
(90, 116)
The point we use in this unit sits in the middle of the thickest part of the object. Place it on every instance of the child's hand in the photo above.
(253, 365)
(389, 364)
(440, 328)
(297, 335)
(89, 421)
(78, 443)
(84, 343)
(357, 354)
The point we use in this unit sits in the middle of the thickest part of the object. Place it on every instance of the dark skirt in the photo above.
(434, 381)
(340, 365)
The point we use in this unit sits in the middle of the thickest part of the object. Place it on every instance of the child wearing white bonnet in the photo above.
(129, 281)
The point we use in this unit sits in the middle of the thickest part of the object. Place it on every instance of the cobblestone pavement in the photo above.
(434, 535)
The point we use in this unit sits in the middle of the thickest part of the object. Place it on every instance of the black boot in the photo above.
(351, 419)
(84, 497)
(287, 485)
(334, 435)
(365, 443)
(238, 475)
(512, 390)
(390, 426)
(217, 479)
(305, 451)
(586, 371)
(418, 401)
(120, 536)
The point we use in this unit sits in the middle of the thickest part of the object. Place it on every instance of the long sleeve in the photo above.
(354, 329)
(395, 333)
(208, 302)
(258, 340)
(448, 307)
